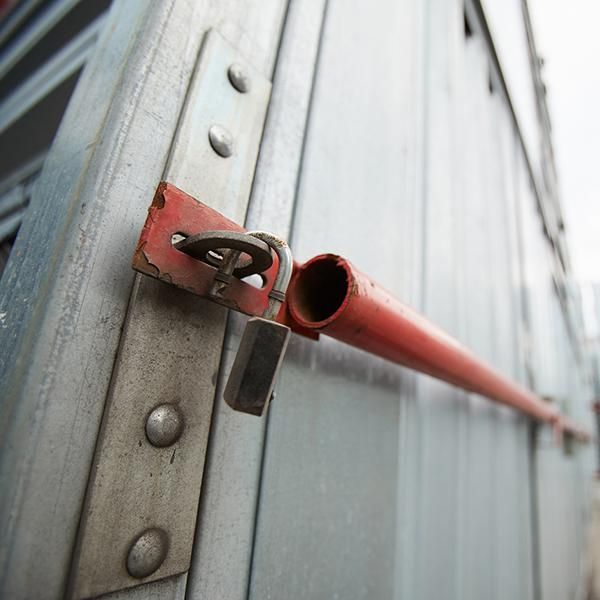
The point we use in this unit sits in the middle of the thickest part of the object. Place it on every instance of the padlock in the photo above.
(254, 373)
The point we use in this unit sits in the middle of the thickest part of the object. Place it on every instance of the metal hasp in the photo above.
(212, 263)
(329, 295)
(139, 517)
(187, 261)
(175, 247)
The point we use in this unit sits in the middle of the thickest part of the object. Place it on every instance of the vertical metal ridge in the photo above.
(292, 217)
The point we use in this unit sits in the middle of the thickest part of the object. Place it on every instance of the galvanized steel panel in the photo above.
(384, 142)
(463, 501)
(327, 510)
(63, 320)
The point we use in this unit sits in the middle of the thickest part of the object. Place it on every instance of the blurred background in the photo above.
(568, 47)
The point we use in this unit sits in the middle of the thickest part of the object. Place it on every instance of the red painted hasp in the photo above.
(174, 212)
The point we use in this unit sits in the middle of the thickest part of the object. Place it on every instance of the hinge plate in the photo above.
(135, 486)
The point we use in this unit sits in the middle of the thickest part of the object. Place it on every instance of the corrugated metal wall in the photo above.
(377, 483)
(372, 482)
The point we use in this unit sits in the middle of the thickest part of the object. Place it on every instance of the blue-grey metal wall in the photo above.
(377, 483)
(390, 139)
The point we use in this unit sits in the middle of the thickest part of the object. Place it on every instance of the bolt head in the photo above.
(147, 553)
(239, 78)
(221, 140)
(164, 425)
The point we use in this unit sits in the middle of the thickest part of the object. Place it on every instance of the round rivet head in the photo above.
(221, 140)
(147, 553)
(164, 425)
(239, 78)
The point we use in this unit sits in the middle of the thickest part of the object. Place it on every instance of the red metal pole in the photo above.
(328, 294)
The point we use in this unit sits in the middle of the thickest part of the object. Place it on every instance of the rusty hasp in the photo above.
(189, 245)
(177, 246)
(175, 216)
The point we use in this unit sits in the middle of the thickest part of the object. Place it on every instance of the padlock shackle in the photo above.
(284, 274)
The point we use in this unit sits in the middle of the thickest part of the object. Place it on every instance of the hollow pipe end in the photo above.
(320, 290)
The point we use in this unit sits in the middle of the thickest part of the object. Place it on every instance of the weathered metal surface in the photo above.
(442, 452)
(561, 481)
(422, 491)
(496, 478)
(68, 284)
(328, 523)
(462, 499)
(255, 30)
(65, 291)
(135, 485)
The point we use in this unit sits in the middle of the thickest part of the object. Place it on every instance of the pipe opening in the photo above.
(319, 290)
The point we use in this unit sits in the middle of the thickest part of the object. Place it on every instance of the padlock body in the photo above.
(256, 366)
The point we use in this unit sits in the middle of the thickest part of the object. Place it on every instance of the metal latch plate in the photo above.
(138, 522)
(175, 212)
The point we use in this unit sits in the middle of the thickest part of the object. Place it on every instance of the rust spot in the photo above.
(152, 210)
(142, 264)
(159, 196)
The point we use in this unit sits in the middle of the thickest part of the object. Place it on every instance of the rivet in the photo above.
(238, 78)
(164, 425)
(147, 553)
(221, 140)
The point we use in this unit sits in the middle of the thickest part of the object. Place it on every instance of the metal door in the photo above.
(389, 138)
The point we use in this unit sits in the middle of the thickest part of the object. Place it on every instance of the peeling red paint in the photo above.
(174, 212)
